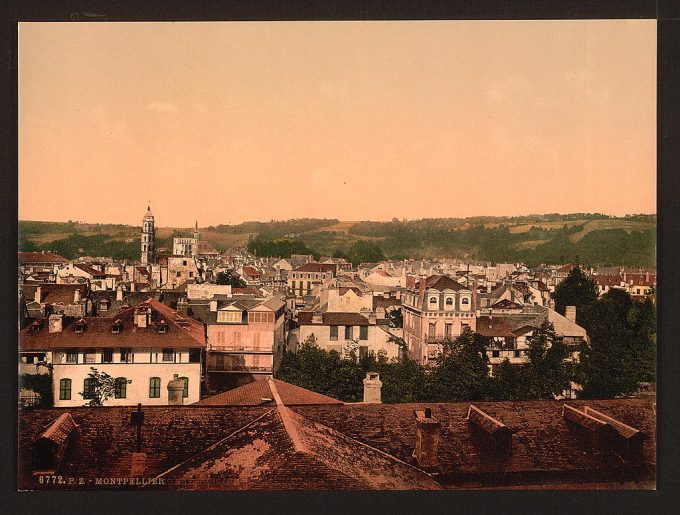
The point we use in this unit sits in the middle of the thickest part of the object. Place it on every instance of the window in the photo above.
(465, 300)
(363, 352)
(348, 332)
(178, 274)
(168, 355)
(517, 354)
(449, 301)
(256, 361)
(334, 333)
(432, 330)
(154, 387)
(194, 355)
(65, 390)
(89, 357)
(116, 328)
(107, 356)
(88, 388)
(72, 357)
(433, 300)
(191, 274)
(79, 328)
(448, 330)
(495, 353)
(163, 327)
(363, 332)
(292, 285)
(309, 276)
(184, 262)
(294, 277)
(126, 355)
(120, 390)
(230, 316)
(185, 392)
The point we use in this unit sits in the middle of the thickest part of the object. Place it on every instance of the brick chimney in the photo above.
(428, 432)
(183, 306)
(175, 391)
(55, 323)
(372, 388)
(570, 313)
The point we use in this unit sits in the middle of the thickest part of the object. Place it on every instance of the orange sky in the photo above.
(226, 122)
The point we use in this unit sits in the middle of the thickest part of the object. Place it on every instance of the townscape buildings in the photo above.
(168, 334)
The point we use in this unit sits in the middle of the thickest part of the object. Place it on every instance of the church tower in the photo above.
(148, 238)
(194, 247)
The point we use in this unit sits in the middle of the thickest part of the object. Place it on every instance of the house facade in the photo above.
(436, 308)
(142, 348)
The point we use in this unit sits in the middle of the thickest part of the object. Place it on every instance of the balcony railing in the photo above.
(241, 348)
(228, 367)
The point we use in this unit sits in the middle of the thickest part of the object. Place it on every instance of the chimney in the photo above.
(372, 388)
(55, 323)
(76, 296)
(38, 294)
(175, 391)
(142, 316)
(213, 306)
(183, 306)
(421, 293)
(372, 318)
(428, 432)
(570, 313)
(119, 294)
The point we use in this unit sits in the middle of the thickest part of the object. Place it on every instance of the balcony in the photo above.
(228, 367)
(240, 349)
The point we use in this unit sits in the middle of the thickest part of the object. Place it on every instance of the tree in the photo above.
(395, 317)
(101, 387)
(462, 371)
(547, 374)
(622, 349)
(228, 278)
(577, 289)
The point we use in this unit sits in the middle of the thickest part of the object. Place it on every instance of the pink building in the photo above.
(435, 309)
(244, 338)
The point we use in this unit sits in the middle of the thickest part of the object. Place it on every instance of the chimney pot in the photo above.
(372, 388)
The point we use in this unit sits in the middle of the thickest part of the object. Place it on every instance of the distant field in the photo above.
(529, 244)
(627, 225)
(344, 227)
(517, 229)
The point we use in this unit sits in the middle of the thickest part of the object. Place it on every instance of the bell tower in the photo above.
(148, 238)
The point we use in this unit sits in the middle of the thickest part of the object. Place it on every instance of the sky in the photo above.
(235, 121)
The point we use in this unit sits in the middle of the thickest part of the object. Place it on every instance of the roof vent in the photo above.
(595, 433)
(491, 432)
(627, 441)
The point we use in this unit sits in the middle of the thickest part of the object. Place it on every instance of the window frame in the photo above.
(334, 329)
(185, 392)
(363, 332)
(88, 388)
(63, 389)
(107, 353)
(154, 388)
(165, 352)
(120, 388)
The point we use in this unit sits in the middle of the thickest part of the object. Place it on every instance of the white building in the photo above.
(147, 344)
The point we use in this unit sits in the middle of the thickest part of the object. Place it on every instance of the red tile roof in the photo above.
(258, 393)
(29, 258)
(316, 267)
(182, 332)
(333, 318)
(441, 283)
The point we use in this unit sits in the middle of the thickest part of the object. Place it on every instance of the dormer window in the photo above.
(433, 300)
(162, 327)
(34, 327)
(116, 327)
(449, 301)
(79, 326)
(465, 300)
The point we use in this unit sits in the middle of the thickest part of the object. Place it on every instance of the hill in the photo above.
(592, 239)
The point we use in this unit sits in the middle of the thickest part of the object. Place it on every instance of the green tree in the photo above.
(102, 387)
(547, 374)
(508, 382)
(462, 370)
(577, 289)
(622, 347)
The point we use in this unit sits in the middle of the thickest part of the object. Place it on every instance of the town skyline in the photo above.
(346, 120)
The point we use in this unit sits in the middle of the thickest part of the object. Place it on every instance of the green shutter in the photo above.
(185, 392)
(154, 388)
